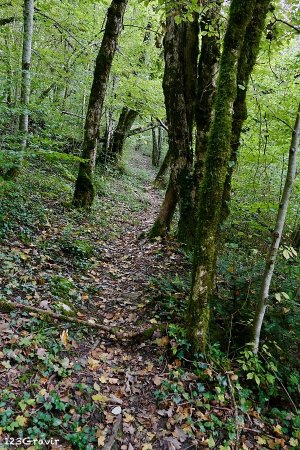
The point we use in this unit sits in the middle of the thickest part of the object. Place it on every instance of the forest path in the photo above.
(96, 386)
(130, 272)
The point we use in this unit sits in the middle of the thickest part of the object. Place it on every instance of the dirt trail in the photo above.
(127, 268)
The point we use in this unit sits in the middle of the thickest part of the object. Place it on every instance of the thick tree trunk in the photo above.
(280, 221)
(177, 86)
(245, 66)
(84, 190)
(126, 120)
(190, 51)
(216, 163)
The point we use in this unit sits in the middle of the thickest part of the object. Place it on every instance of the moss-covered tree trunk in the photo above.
(84, 189)
(245, 67)
(215, 171)
(190, 51)
(178, 85)
(206, 89)
(125, 122)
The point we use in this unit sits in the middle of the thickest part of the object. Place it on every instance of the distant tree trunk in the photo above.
(126, 120)
(84, 190)
(206, 89)
(163, 168)
(155, 148)
(178, 99)
(107, 139)
(296, 238)
(280, 221)
(245, 66)
(216, 163)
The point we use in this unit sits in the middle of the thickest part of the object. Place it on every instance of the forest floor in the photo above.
(90, 389)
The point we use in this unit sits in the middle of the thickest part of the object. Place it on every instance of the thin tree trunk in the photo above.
(296, 238)
(280, 221)
(141, 130)
(211, 192)
(163, 168)
(245, 66)
(155, 149)
(84, 190)
(163, 222)
(28, 11)
(126, 120)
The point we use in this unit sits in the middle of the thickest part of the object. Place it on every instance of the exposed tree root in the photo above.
(7, 307)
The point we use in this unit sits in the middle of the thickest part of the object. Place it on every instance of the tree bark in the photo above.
(280, 221)
(215, 170)
(163, 169)
(126, 120)
(177, 86)
(245, 66)
(190, 51)
(28, 11)
(155, 149)
(206, 89)
(296, 238)
(84, 190)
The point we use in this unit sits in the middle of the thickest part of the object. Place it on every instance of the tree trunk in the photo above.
(190, 51)
(163, 168)
(296, 238)
(163, 222)
(280, 221)
(155, 149)
(127, 117)
(215, 170)
(245, 66)
(178, 100)
(84, 190)
(206, 89)
(28, 11)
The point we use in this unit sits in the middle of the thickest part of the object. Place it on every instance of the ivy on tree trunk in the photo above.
(215, 171)
(246, 64)
(84, 189)
(180, 49)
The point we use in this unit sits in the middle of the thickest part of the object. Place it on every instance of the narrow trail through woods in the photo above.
(123, 293)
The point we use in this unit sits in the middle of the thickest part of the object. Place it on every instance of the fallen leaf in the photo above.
(64, 338)
(21, 420)
(100, 398)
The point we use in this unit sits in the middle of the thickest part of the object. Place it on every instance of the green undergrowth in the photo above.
(216, 399)
(50, 397)
(212, 395)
